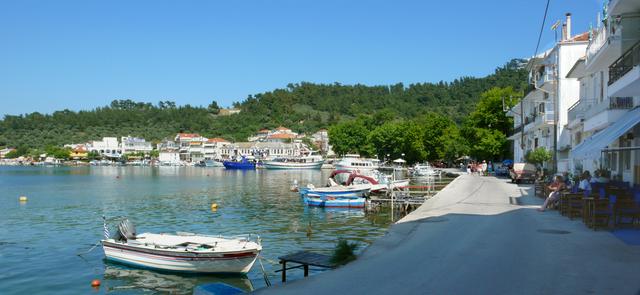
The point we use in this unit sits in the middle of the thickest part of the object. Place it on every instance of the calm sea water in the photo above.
(40, 239)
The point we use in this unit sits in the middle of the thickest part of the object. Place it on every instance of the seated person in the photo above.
(556, 186)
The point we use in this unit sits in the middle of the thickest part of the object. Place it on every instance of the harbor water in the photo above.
(40, 238)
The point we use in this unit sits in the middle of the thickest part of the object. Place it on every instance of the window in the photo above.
(601, 86)
(535, 143)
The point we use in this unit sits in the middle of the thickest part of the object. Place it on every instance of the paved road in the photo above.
(482, 235)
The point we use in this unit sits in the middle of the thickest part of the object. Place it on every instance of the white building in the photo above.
(191, 146)
(107, 147)
(265, 150)
(213, 148)
(541, 116)
(135, 145)
(604, 123)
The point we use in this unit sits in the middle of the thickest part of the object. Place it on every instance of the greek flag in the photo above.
(106, 229)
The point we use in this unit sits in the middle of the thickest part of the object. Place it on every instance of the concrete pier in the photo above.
(482, 235)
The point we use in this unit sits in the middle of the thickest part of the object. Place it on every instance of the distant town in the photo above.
(183, 149)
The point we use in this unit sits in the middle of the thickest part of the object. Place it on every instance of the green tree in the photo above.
(538, 156)
(213, 107)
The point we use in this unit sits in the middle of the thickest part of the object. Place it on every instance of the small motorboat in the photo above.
(337, 190)
(182, 252)
(334, 201)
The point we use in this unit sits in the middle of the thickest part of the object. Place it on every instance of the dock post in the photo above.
(306, 270)
(284, 271)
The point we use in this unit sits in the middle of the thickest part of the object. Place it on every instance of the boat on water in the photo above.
(421, 170)
(212, 163)
(378, 181)
(358, 190)
(305, 162)
(334, 201)
(353, 162)
(182, 252)
(243, 164)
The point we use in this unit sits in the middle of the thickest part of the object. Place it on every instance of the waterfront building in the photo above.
(107, 147)
(213, 148)
(265, 150)
(168, 152)
(191, 146)
(604, 122)
(321, 141)
(280, 134)
(540, 117)
(80, 152)
(135, 145)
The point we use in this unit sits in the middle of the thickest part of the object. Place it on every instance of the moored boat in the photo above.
(212, 163)
(243, 164)
(182, 252)
(320, 200)
(305, 162)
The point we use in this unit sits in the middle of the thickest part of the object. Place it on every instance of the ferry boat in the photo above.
(306, 162)
(181, 252)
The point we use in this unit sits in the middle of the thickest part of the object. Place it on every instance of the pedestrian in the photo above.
(556, 186)
(469, 168)
(484, 167)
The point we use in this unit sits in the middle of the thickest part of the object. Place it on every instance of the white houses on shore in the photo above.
(599, 109)
(540, 116)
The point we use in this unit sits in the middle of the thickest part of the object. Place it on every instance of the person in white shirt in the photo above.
(585, 181)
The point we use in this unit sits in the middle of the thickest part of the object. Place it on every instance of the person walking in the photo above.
(483, 168)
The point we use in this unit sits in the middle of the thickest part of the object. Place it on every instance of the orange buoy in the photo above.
(95, 283)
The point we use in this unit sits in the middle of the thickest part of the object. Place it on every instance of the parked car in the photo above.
(522, 172)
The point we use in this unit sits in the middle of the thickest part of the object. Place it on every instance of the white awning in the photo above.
(591, 147)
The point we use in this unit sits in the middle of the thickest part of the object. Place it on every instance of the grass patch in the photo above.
(344, 252)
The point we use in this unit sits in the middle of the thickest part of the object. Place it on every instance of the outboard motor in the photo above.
(126, 230)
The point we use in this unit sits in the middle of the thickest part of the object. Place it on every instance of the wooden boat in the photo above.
(182, 252)
(338, 190)
(334, 201)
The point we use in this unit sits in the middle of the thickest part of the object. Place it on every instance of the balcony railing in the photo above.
(544, 78)
(625, 63)
(617, 103)
(518, 129)
(601, 37)
(576, 111)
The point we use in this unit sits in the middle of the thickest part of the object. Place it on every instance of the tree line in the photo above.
(304, 107)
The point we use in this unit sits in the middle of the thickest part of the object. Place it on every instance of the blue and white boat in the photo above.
(357, 190)
(334, 201)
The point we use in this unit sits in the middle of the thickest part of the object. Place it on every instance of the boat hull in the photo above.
(334, 201)
(228, 263)
(292, 165)
(239, 165)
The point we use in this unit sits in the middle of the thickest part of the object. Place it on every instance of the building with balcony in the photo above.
(605, 130)
(190, 146)
(213, 148)
(540, 117)
(135, 145)
(108, 147)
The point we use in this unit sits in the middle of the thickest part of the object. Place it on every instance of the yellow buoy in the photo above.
(22, 198)
(214, 206)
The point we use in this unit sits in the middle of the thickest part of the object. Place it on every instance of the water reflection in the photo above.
(118, 278)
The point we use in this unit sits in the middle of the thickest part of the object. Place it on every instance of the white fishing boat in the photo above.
(421, 170)
(182, 252)
(353, 162)
(305, 162)
(212, 163)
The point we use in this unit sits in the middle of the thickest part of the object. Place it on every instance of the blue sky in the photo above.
(83, 54)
